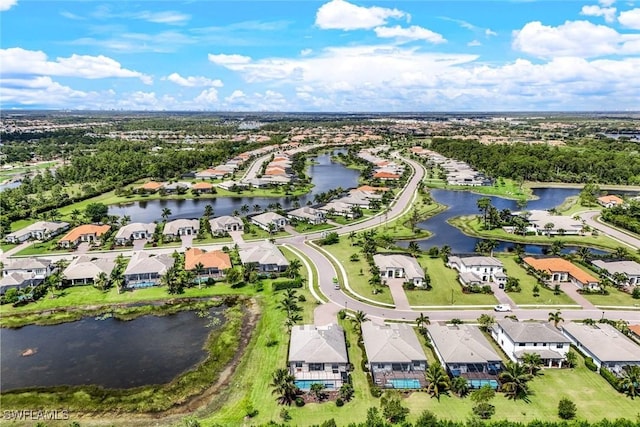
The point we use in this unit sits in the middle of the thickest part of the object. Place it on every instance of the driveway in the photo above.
(397, 293)
(138, 244)
(187, 241)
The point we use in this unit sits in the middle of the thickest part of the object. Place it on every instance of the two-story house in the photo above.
(400, 266)
(478, 270)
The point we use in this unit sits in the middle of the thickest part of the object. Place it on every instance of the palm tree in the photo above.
(513, 381)
(555, 318)
(548, 227)
(352, 237)
(630, 381)
(584, 254)
(483, 204)
(166, 213)
(460, 386)
(244, 209)
(486, 321)
(293, 270)
(257, 208)
(102, 281)
(126, 219)
(199, 269)
(445, 251)
(413, 248)
(75, 214)
(284, 386)
(532, 362)
(358, 319)
(438, 381)
(208, 211)
(233, 276)
(422, 321)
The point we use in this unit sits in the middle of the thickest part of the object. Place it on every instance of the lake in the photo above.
(109, 353)
(325, 175)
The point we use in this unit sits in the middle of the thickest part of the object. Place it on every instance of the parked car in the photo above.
(502, 307)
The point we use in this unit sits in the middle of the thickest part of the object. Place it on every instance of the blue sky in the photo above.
(336, 55)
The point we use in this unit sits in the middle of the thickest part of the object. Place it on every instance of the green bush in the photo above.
(610, 377)
(339, 402)
(566, 409)
(588, 362)
(299, 402)
(286, 284)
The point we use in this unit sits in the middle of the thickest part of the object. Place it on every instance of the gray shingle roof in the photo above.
(85, 268)
(462, 344)
(142, 263)
(531, 332)
(263, 253)
(604, 341)
(318, 344)
(630, 268)
(393, 342)
(408, 264)
(126, 231)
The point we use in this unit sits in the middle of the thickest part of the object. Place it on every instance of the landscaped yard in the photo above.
(43, 248)
(527, 283)
(615, 298)
(446, 289)
(305, 227)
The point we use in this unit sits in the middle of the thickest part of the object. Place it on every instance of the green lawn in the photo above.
(445, 287)
(358, 282)
(309, 305)
(503, 187)
(7, 246)
(527, 282)
(615, 298)
(44, 248)
(305, 227)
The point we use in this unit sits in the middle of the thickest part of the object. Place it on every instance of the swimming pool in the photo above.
(142, 285)
(404, 383)
(481, 383)
(306, 384)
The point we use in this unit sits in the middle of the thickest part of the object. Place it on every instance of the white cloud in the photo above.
(473, 43)
(226, 60)
(489, 32)
(609, 13)
(18, 61)
(342, 15)
(574, 38)
(163, 42)
(630, 18)
(607, 3)
(236, 95)
(193, 81)
(7, 4)
(207, 97)
(306, 52)
(168, 17)
(413, 32)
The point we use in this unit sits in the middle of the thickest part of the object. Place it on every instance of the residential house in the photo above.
(561, 270)
(181, 227)
(84, 270)
(478, 270)
(264, 221)
(84, 233)
(545, 223)
(212, 174)
(395, 356)
(466, 353)
(151, 186)
(224, 224)
(175, 187)
(519, 338)
(606, 345)
(23, 272)
(265, 256)
(134, 231)
(610, 201)
(41, 230)
(213, 263)
(202, 187)
(630, 270)
(145, 270)
(318, 354)
(336, 207)
(395, 266)
(386, 176)
(228, 185)
(308, 214)
(635, 331)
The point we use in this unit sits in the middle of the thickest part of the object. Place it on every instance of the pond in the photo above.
(324, 173)
(108, 353)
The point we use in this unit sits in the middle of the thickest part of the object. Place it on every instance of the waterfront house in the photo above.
(318, 354)
(24, 272)
(610, 201)
(265, 256)
(41, 230)
(308, 214)
(181, 227)
(224, 224)
(134, 231)
(202, 187)
(264, 221)
(84, 270)
(466, 353)
(213, 263)
(519, 338)
(606, 345)
(212, 174)
(478, 270)
(395, 356)
(560, 270)
(151, 186)
(630, 270)
(386, 176)
(84, 233)
(176, 187)
(145, 270)
(395, 266)
(545, 223)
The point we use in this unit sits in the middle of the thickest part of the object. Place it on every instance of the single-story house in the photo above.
(561, 270)
(224, 224)
(265, 256)
(151, 186)
(308, 214)
(213, 263)
(264, 221)
(606, 345)
(395, 356)
(228, 185)
(386, 176)
(545, 223)
(519, 338)
(202, 187)
(466, 353)
(41, 230)
(83, 270)
(337, 207)
(212, 174)
(318, 354)
(134, 231)
(181, 227)
(610, 201)
(175, 186)
(394, 266)
(145, 270)
(83, 233)
(630, 269)
(478, 270)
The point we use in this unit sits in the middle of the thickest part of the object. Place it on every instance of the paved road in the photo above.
(590, 219)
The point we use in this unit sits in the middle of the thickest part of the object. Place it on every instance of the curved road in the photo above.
(590, 217)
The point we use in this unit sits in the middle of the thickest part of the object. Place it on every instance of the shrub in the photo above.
(302, 298)
(342, 314)
(286, 284)
(588, 362)
(299, 402)
(636, 292)
(339, 402)
(566, 409)
(284, 414)
(610, 377)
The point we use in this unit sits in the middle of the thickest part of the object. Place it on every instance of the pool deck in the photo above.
(385, 378)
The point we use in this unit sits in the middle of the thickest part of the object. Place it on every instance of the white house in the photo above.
(630, 270)
(265, 256)
(24, 272)
(264, 221)
(308, 214)
(519, 338)
(181, 227)
(224, 224)
(145, 270)
(134, 231)
(83, 270)
(41, 230)
(543, 222)
(606, 345)
(394, 266)
(318, 354)
(478, 270)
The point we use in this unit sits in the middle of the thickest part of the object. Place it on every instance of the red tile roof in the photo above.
(81, 230)
(212, 259)
(560, 265)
